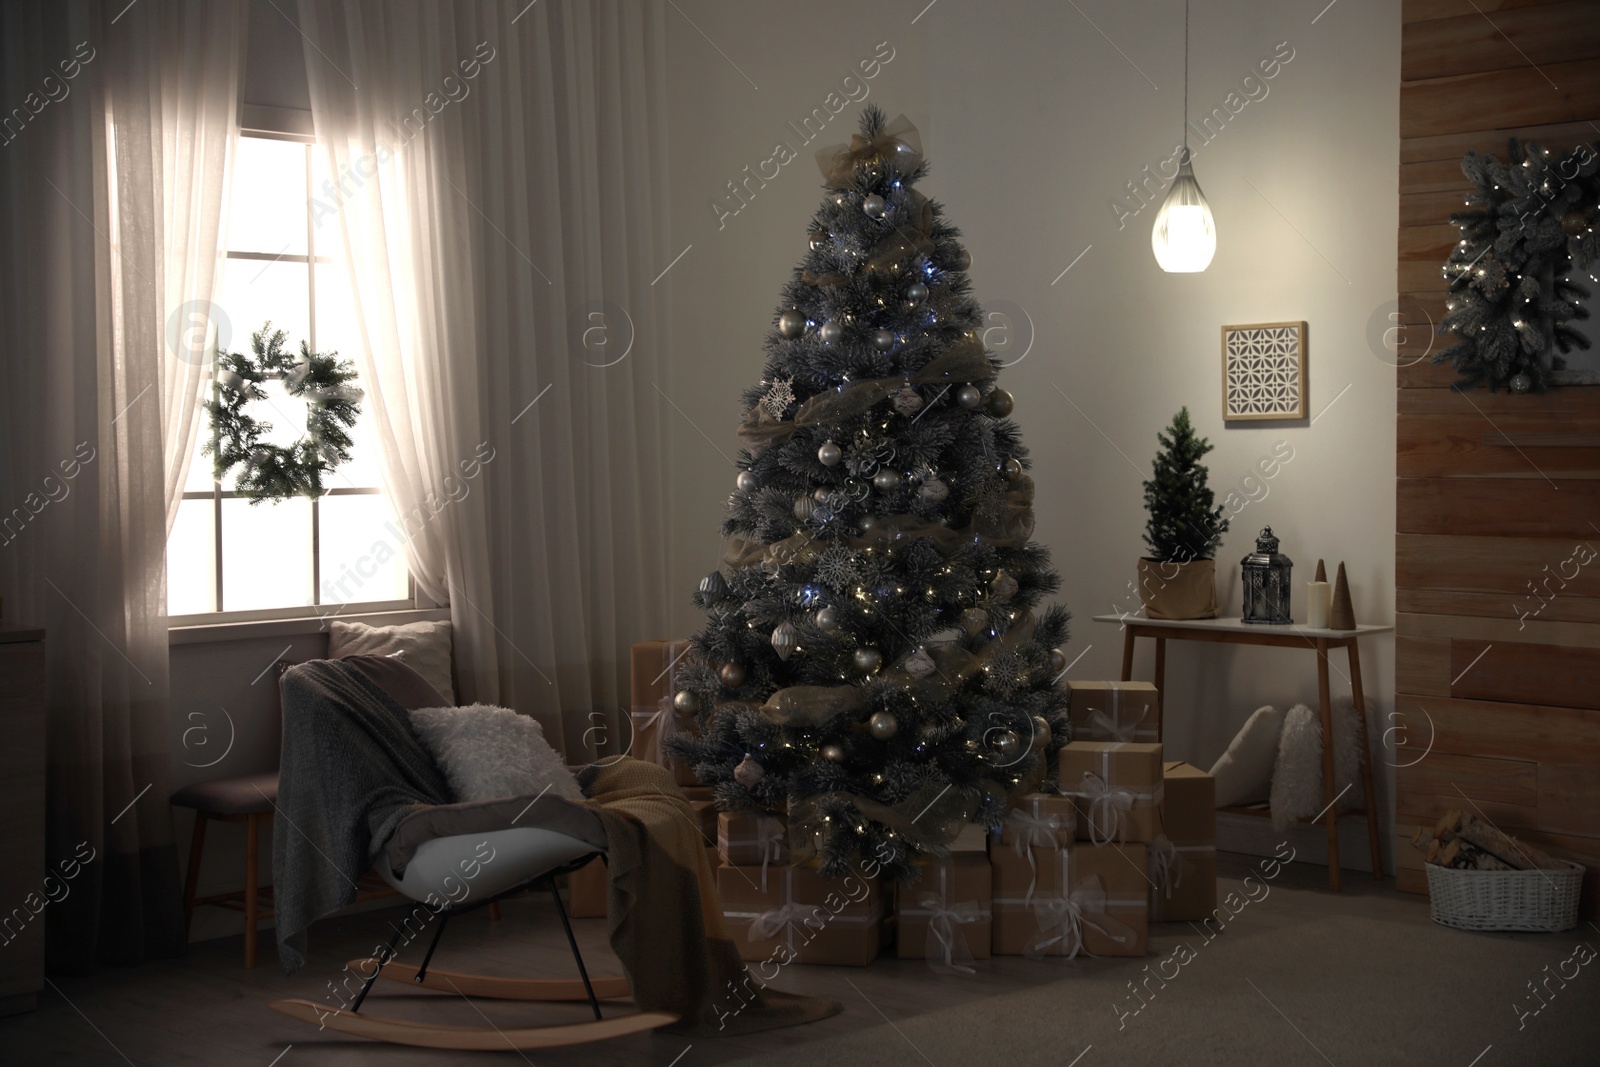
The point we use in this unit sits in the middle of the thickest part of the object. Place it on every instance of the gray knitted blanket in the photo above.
(351, 770)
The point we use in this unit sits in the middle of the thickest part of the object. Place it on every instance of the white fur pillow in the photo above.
(426, 647)
(1297, 776)
(488, 753)
(1244, 772)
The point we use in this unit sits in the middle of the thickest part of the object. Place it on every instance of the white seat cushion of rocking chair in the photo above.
(466, 868)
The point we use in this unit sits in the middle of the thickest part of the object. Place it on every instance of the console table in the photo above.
(1231, 631)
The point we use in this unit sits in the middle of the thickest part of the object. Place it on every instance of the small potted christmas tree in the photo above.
(1178, 580)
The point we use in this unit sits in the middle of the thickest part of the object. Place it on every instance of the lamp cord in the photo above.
(1185, 81)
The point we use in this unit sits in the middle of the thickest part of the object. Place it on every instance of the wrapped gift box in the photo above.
(751, 838)
(1117, 786)
(1115, 711)
(705, 820)
(1087, 898)
(801, 916)
(655, 666)
(945, 917)
(1039, 820)
(1183, 858)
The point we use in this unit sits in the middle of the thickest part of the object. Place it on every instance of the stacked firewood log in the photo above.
(1467, 842)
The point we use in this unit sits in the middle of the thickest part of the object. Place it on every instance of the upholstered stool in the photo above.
(247, 799)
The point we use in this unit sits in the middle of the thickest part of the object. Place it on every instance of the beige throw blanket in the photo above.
(665, 920)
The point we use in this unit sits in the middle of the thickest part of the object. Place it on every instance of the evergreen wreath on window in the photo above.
(277, 472)
(1509, 304)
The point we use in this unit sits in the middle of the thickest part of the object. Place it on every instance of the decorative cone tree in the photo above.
(873, 663)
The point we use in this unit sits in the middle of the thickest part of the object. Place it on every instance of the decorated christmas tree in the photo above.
(876, 662)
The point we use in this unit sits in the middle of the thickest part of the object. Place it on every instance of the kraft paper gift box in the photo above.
(655, 669)
(705, 820)
(1183, 858)
(801, 916)
(752, 838)
(945, 918)
(1086, 898)
(1114, 711)
(1039, 820)
(1117, 786)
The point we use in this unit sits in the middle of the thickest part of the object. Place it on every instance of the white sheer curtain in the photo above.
(503, 176)
(113, 192)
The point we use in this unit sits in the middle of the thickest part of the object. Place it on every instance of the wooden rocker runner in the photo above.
(524, 858)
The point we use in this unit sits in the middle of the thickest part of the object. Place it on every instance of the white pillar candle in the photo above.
(1319, 599)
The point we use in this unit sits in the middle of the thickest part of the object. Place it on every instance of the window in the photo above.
(230, 559)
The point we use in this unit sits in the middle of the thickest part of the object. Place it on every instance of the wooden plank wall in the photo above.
(1497, 496)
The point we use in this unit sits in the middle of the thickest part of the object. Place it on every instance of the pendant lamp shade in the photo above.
(1184, 237)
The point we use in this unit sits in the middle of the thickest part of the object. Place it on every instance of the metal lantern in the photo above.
(1266, 583)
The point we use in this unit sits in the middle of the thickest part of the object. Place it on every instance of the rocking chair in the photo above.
(449, 875)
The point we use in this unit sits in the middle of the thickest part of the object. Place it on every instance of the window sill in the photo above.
(204, 633)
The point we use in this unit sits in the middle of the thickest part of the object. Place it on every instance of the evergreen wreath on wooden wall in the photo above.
(1532, 220)
(278, 472)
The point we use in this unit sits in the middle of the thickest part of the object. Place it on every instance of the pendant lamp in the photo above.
(1184, 237)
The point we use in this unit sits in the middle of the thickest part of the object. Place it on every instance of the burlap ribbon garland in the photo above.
(898, 144)
(964, 361)
(1010, 527)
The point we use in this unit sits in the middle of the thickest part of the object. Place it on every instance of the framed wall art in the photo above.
(1264, 371)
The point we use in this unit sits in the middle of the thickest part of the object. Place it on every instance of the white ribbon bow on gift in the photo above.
(657, 725)
(1108, 809)
(1166, 865)
(772, 923)
(1069, 914)
(1112, 726)
(946, 948)
(1033, 831)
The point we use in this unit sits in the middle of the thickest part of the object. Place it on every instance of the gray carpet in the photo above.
(1300, 976)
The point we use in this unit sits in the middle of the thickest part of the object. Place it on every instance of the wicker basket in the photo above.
(1505, 900)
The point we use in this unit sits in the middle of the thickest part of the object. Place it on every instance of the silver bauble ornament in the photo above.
(867, 660)
(916, 293)
(974, 620)
(1041, 731)
(1004, 587)
(882, 340)
(784, 639)
(732, 675)
(747, 481)
(874, 206)
(749, 773)
(882, 725)
(791, 323)
(907, 401)
(713, 587)
(831, 332)
(969, 396)
(828, 619)
(886, 481)
(829, 454)
(820, 494)
(1058, 660)
(803, 508)
(832, 753)
(962, 260)
(686, 702)
(1001, 403)
(1007, 743)
(933, 491)
(1520, 383)
(1012, 469)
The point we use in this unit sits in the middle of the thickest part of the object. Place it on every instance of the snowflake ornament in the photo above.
(1004, 674)
(836, 568)
(778, 397)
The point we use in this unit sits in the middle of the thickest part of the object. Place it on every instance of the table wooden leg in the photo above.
(1366, 761)
(1127, 654)
(1330, 815)
(1161, 683)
